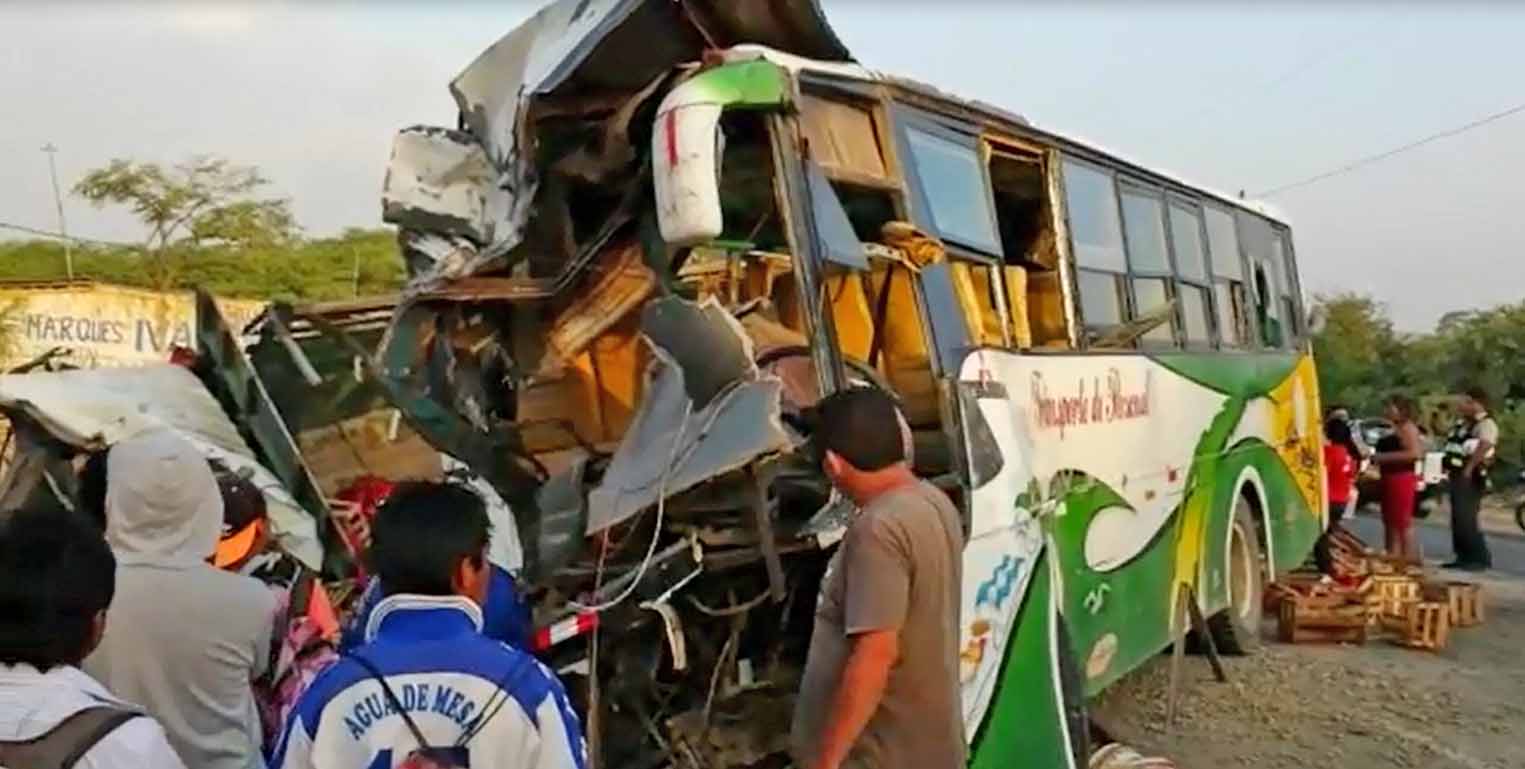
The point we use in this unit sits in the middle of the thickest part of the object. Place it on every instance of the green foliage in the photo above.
(1362, 360)
(205, 201)
(297, 270)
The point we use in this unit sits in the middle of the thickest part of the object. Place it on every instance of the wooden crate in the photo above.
(1386, 565)
(1394, 594)
(1340, 539)
(1322, 619)
(1427, 625)
(1275, 594)
(1464, 600)
(1349, 564)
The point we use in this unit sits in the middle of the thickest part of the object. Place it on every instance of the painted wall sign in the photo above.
(103, 325)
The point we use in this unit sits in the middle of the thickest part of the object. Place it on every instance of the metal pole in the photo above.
(354, 252)
(58, 202)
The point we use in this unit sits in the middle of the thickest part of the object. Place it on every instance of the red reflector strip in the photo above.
(565, 630)
(670, 127)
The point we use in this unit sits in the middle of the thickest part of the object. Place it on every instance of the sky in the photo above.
(1227, 95)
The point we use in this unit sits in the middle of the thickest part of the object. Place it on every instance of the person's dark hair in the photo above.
(56, 575)
(862, 425)
(1403, 404)
(421, 533)
(1338, 432)
(1478, 394)
(242, 502)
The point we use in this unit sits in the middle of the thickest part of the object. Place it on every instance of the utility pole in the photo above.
(355, 252)
(58, 202)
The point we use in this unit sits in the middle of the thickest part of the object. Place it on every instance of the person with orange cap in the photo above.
(306, 629)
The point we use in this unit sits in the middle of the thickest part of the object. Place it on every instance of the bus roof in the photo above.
(977, 111)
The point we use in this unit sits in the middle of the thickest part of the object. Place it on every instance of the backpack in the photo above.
(299, 652)
(65, 744)
(427, 756)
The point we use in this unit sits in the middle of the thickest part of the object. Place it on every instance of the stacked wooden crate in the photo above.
(1371, 592)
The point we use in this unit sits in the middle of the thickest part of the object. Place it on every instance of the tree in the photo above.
(1351, 349)
(205, 201)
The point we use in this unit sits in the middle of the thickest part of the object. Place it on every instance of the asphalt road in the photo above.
(1435, 540)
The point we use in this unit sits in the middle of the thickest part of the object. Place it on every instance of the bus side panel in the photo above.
(1025, 724)
(1297, 501)
(1118, 619)
(1133, 465)
(1284, 484)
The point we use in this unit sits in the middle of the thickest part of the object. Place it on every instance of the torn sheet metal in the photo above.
(562, 519)
(92, 409)
(39, 473)
(706, 343)
(433, 258)
(703, 371)
(439, 181)
(229, 376)
(572, 57)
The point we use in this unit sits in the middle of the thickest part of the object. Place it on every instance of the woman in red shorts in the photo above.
(1397, 455)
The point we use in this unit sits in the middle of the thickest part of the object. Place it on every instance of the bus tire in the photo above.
(1072, 687)
(1236, 629)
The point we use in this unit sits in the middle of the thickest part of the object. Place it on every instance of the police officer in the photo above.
(1468, 453)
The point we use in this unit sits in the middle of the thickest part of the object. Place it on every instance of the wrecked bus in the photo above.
(659, 231)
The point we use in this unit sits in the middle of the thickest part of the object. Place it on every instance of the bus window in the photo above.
(747, 203)
(1092, 206)
(1148, 261)
(1256, 237)
(1024, 217)
(1228, 277)
(1290, 307)
(1097, 243)
(1191, 269)
(842, 138)
(951, 188)
(1100, 300)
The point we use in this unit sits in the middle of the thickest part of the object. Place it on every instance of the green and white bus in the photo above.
(1106, 367)
(1119, 355)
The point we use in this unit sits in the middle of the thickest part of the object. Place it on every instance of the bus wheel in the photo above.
(1236, 629)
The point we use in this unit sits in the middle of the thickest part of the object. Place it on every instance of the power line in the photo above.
(1366, 161)
(57, 236)
(1211, 107)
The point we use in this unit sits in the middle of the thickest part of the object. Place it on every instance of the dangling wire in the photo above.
(656, 534)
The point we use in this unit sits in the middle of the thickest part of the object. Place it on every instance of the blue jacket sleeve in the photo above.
(506, 617)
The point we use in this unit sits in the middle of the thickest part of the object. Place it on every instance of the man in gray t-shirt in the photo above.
(880, 688)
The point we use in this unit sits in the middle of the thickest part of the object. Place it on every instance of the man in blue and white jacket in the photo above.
(427, 680)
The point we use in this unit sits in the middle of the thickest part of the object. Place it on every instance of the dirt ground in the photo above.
(1367, 707)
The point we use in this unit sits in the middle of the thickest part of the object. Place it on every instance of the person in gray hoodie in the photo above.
(186, 639)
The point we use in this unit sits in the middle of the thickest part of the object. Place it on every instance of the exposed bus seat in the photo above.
(1016, 302)
(903, 355)
(975, 295)
(1045, 310)
(850, 313)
